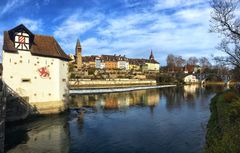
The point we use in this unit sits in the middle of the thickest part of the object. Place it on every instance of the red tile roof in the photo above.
(41, 45)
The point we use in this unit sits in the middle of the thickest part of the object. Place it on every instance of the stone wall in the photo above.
(109, 82)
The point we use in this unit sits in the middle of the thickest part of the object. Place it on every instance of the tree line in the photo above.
(179, 61)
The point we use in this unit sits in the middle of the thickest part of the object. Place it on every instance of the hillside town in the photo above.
(158, 76)
(111, 66)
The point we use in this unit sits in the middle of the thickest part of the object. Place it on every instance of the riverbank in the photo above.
(111, 90)
(88, 83)
(224, 125)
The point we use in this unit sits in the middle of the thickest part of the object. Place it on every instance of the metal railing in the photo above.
(8, 90)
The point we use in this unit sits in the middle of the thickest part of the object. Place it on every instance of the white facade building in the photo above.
(190, 79)
(99, 63)
(123, 65)
(36, 68)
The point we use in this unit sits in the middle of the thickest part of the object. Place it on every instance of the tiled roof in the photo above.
(41, 45)
(89, 58)
(141, 61)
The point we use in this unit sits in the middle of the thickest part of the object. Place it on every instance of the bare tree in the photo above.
(226, 22)
(179, 61)
(171, 62)
(204, 62)
(192, 61)
(220, 65)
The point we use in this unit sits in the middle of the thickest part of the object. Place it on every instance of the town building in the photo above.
(99, 63)
(89, 61)
(189, 79)
(192, 69)
(151, 64)
(136, 64)
(110, 61)
(122, 62)
(114, 62)
(36, 68)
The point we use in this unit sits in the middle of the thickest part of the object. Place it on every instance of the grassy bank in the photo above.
(223, 130)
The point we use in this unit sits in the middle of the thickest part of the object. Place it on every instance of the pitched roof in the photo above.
(114, 58)
(141, 61)
(89, 58)
(151, 57)
(136, 61)
(41, 45)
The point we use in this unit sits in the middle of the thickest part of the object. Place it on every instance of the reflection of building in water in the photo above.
(84, 101)
(153, 98)
(117, 100)
(111, 102)
(45, 136)
(191, 88)
(182, 96)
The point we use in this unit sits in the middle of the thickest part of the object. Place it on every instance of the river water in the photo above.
(170, 120)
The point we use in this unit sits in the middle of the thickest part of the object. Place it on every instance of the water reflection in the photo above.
(38, 136)
(175, 97)
(117, 101)
(158, 120)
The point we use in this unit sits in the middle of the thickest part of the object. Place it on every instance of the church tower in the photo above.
(151, 57)
(78, 54)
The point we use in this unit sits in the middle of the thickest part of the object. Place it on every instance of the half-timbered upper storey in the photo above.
(22, 39)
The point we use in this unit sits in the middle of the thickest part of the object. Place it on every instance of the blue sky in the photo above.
(127, 27)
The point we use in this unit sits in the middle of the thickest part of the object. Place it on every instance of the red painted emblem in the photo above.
(43, 72)
(21, 39)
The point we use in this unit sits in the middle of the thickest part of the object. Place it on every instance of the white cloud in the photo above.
(33, 25)
(131, 3)
(182, 32)
(12, 5)
(167, 4)
(72, 28)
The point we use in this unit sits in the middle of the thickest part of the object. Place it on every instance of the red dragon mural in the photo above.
(43, 72)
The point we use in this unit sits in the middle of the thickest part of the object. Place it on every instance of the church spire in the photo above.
(78, 46)
(78, 54)
(151, 57)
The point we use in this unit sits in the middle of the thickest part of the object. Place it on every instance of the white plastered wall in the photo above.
(24, 65)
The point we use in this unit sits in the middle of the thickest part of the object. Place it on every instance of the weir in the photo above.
(111, 90)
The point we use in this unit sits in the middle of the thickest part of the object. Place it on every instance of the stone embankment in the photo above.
(110, 90)
(2, 117)
(83, 83)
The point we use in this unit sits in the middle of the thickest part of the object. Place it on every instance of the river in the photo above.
(170, 120)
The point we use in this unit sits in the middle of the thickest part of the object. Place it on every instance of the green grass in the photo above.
(223, 130)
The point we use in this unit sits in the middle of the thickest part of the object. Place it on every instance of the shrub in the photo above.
(230, 97)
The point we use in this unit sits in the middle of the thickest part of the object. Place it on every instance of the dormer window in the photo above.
(22, 41)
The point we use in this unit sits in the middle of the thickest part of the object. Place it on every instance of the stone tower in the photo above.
(151, 56)
(78, 53)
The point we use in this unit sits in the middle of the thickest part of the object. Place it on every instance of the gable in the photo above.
(20, 38)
